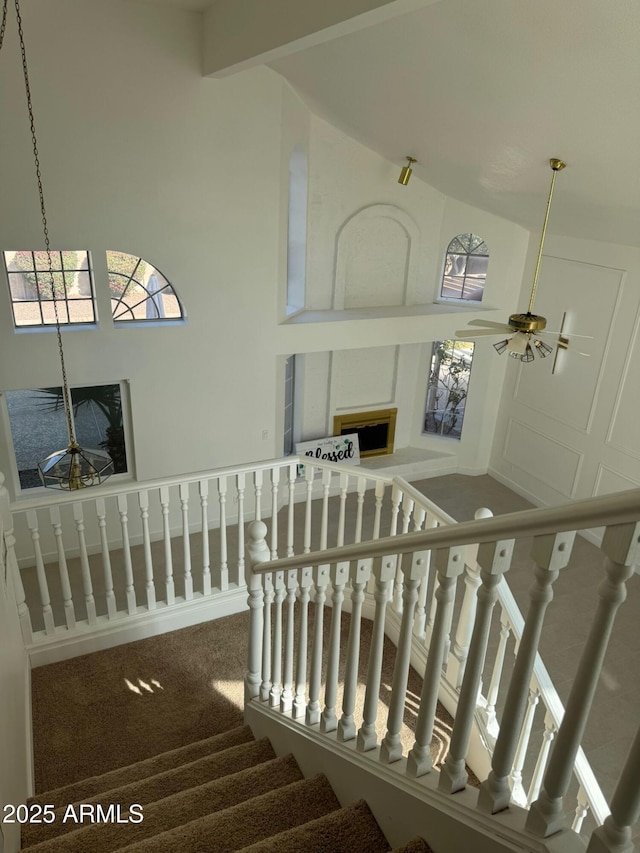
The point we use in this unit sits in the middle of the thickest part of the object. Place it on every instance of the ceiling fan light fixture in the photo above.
(501, 346)
(527, 355)
(543, 348)
(518, 343)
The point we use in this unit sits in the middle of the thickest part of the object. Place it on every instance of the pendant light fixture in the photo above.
(405, 172)
(72, 468)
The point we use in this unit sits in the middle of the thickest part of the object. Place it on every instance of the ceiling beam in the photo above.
(240, 34)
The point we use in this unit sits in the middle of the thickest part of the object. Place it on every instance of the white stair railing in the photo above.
(165, 543)
(553, 532)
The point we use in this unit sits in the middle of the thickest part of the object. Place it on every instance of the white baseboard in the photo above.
(131, 628)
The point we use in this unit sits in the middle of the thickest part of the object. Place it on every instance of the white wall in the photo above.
(574, 433)
(142, 154)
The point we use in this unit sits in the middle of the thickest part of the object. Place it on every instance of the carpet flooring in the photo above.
(158, 723)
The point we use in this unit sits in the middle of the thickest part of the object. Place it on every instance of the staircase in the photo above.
(227, 792)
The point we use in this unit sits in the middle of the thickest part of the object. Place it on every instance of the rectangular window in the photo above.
(30, 286)
(39, 427)
(448, 387)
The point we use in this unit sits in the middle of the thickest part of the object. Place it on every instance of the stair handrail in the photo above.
(617, 508)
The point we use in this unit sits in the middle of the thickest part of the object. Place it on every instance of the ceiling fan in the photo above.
(526, 327)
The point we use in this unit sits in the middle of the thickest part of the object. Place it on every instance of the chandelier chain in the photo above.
(3, 25)
(45, 228)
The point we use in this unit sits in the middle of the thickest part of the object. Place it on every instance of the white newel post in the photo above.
(494, 559)
(614, 836)
(449, 565)
(460, 647)
(360, 573)
(384, 571)
(320, 583)
(258, 553)
(550, 554)
(12, 563)
(413, 569)
(622, 548)
(339, 576)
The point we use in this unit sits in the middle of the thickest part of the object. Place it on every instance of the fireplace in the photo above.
(376, 430)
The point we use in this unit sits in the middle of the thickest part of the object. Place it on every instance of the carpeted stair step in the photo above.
(247, 823)
(350, 830)
(173, 811)
(94, 785)
(152, 788)
(416, 845)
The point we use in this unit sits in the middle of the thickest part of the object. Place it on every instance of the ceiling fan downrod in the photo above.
(556, 166)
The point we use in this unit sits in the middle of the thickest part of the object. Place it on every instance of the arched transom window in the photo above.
(465, 268)
(139, 291)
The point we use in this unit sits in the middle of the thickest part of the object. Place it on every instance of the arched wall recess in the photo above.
(376, 259)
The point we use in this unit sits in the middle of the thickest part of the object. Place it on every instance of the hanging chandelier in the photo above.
(72, 468)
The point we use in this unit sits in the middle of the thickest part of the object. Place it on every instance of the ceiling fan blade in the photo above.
(490, 324)
(564, 334)
(463, 334)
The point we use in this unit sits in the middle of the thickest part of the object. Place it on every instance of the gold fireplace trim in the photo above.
(343, 424)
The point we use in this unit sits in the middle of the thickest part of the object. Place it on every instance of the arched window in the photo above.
(139, 291)
(465, 268)
(297, 231)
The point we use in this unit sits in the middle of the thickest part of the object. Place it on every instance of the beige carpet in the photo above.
(98, 712)
(158, 723)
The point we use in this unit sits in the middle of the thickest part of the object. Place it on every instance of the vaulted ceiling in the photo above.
(482, 94)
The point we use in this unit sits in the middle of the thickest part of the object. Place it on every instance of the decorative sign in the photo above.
(334, 448)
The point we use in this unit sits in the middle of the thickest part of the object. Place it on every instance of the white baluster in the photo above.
(321, 581)
(87, 583)
(21, 604)
(203, 489)
(222, 500)
(257, 486)
(407, 507)
(361, 487)
(420, 621)
(299, 702)
(344, 485)
(384, 571)
(324, 519)
(275, 482)
(488, 714)
(101, 512)
(276, 660)
(518, 794)
(360, 572)
(615, 834)
(621, 544)
(413, 570)
(132, 607)
(582, 809)
(240, 485)
(460, 649)
(339, 577)
(396, 496)
(541, 761)
(186, 542)
(286, 697)
(166, 537)
(293, 468)
(45, 599)
(550, 554)
(65, 586)
(379, 495)
(143, 500)
(258, 554)
(449, 564)
(495, 559)
(308, 476)
(267, 648)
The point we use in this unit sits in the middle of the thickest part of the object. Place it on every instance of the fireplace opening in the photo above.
(376, 430)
